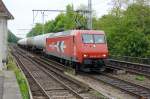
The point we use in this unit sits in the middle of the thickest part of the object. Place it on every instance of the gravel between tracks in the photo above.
(106, 90)
(53, 89)
(132, 78)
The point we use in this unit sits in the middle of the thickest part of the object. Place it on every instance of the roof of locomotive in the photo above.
(74, 32)
(64, 33)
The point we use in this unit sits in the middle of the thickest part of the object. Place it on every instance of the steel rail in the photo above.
(28, 74)
(142, 94)
(131, 59)
(57, 68)
(137, 90)
(61, 82)
(76, 94)
(128, 66)
(47, 65)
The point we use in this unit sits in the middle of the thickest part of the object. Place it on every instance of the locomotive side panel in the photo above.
(62, 47)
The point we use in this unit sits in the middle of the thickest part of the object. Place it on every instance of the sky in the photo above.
(22, 11)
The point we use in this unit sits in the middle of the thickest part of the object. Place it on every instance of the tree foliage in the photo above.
(128, 33)
(12, 38)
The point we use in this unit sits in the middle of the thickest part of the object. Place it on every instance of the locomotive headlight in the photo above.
(104, 55)
(85, 55)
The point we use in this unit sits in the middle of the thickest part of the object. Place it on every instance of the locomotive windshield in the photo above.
(88, 38)
(93, 38)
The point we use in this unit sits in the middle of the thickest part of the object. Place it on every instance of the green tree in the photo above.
(128, 33)
(37, 30)
(12, 38)
(49, 26)
(60, 23)
(69, 18)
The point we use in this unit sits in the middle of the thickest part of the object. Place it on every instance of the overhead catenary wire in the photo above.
(88, 12)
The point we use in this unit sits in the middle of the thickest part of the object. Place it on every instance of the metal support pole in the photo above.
(43, 22)
(33, 24)
(33, 17)
(90, 14)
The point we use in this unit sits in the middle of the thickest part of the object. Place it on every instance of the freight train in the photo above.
(81, 49)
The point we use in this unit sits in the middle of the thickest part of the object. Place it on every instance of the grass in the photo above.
(19, 76)
(99, 95)
(140, 78)
(70, 70)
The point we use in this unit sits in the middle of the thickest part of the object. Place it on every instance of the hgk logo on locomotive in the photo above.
(59, 46)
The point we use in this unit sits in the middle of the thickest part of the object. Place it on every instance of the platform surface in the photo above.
(1, 84)
(10, 86)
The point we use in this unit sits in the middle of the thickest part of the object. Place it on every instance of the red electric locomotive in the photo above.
(84, 49)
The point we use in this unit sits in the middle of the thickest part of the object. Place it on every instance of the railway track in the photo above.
(49, 83)
(36, 89)
(141, 69)
(131, 88)
(138, 60)
(72, 88)
(134, 89)
(137, 90)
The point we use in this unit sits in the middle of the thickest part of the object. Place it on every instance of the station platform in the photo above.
(9, 88)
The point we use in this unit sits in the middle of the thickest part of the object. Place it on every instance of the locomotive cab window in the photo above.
(93, 38)
(99, 38)
(87, 38)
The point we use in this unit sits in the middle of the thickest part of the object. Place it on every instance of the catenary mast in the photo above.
(89, 14)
